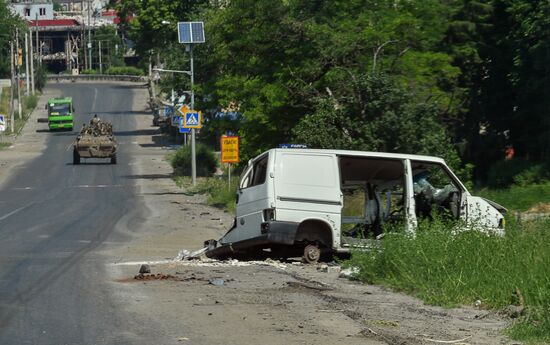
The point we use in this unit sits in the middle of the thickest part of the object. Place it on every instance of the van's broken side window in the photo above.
(255, 176)
(374, 194)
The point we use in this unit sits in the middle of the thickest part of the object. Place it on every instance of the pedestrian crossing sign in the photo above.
(193, 119)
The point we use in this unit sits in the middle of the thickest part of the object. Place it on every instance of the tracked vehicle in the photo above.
(95, 140)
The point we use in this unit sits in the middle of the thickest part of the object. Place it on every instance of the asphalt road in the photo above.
(55, 218)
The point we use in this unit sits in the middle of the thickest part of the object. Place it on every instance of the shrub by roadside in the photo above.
(124, 70)
(217, 190)
(205, 158)
(446, 269)
(519, 172)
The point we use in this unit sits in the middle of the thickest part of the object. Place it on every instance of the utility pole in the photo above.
(193, 153)
(38, 50)
(12, 110)
(18, 76)
(89, 37)
(27, 63)
(100, 65)
(32, 62)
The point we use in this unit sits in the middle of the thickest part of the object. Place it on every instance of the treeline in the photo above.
(468, 80)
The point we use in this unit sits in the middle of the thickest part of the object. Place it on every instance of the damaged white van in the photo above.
(306, 202)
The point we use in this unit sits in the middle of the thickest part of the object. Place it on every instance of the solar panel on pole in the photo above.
(191, 32)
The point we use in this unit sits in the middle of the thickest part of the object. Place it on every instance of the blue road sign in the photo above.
(2, 123)
(176, 120)
(193, 120)
(168, 111)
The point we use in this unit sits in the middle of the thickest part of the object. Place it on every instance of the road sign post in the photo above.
(190, 33)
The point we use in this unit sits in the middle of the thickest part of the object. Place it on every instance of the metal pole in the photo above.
(27, 63)
(18, 76)
(89, 38)
(12, 110)
(100, 66)
(193, 151)
(32, 63)
(38, 57)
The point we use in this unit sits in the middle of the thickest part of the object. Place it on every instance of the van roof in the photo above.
(365, 154)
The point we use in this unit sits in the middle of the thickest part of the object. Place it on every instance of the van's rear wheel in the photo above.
(312, 254)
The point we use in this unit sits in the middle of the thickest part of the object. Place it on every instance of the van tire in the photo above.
(312, 254)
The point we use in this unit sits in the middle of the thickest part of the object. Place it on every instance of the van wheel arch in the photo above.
(314, 231)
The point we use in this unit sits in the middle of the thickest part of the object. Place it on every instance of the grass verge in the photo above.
(449, 269)
(519, 198)
(28, 104)
(217, 190)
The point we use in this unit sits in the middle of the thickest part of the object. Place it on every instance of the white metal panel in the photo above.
(307, 178)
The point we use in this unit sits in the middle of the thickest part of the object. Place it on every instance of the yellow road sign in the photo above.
(183, 109)
(230, 149)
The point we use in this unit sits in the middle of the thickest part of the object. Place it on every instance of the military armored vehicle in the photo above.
(95, 140)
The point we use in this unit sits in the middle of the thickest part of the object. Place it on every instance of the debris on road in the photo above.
(312, 286)
(144, 269)
(158, 276)
(216, 282)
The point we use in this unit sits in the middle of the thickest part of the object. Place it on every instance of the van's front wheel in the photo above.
(312, 254)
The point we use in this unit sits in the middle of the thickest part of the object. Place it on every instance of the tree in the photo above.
(8, 24)
(390, 121)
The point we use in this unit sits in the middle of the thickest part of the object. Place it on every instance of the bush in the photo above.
(89, 71)
(518, 171)
(126, 70)
(206, 161)
(40, 78)
(30, 102)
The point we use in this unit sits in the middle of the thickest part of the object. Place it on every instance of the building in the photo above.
(33, 9)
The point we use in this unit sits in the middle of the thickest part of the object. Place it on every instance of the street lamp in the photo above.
(190, 33)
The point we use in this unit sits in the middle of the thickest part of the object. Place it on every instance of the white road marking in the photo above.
(22, 188)
(98, 186)
(15, 211)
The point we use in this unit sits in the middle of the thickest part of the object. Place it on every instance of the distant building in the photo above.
(33, 9)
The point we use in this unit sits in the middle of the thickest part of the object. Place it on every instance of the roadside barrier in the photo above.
(95, 77)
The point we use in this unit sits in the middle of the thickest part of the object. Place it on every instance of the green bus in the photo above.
(60, 113)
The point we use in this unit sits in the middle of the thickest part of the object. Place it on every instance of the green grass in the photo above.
(219, 193)
(4, 145)
(28, 105)
(519, 198)
(449, 269)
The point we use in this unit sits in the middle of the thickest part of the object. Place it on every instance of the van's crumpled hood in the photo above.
(499, 207)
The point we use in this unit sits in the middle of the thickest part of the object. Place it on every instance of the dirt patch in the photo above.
(540, 208)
